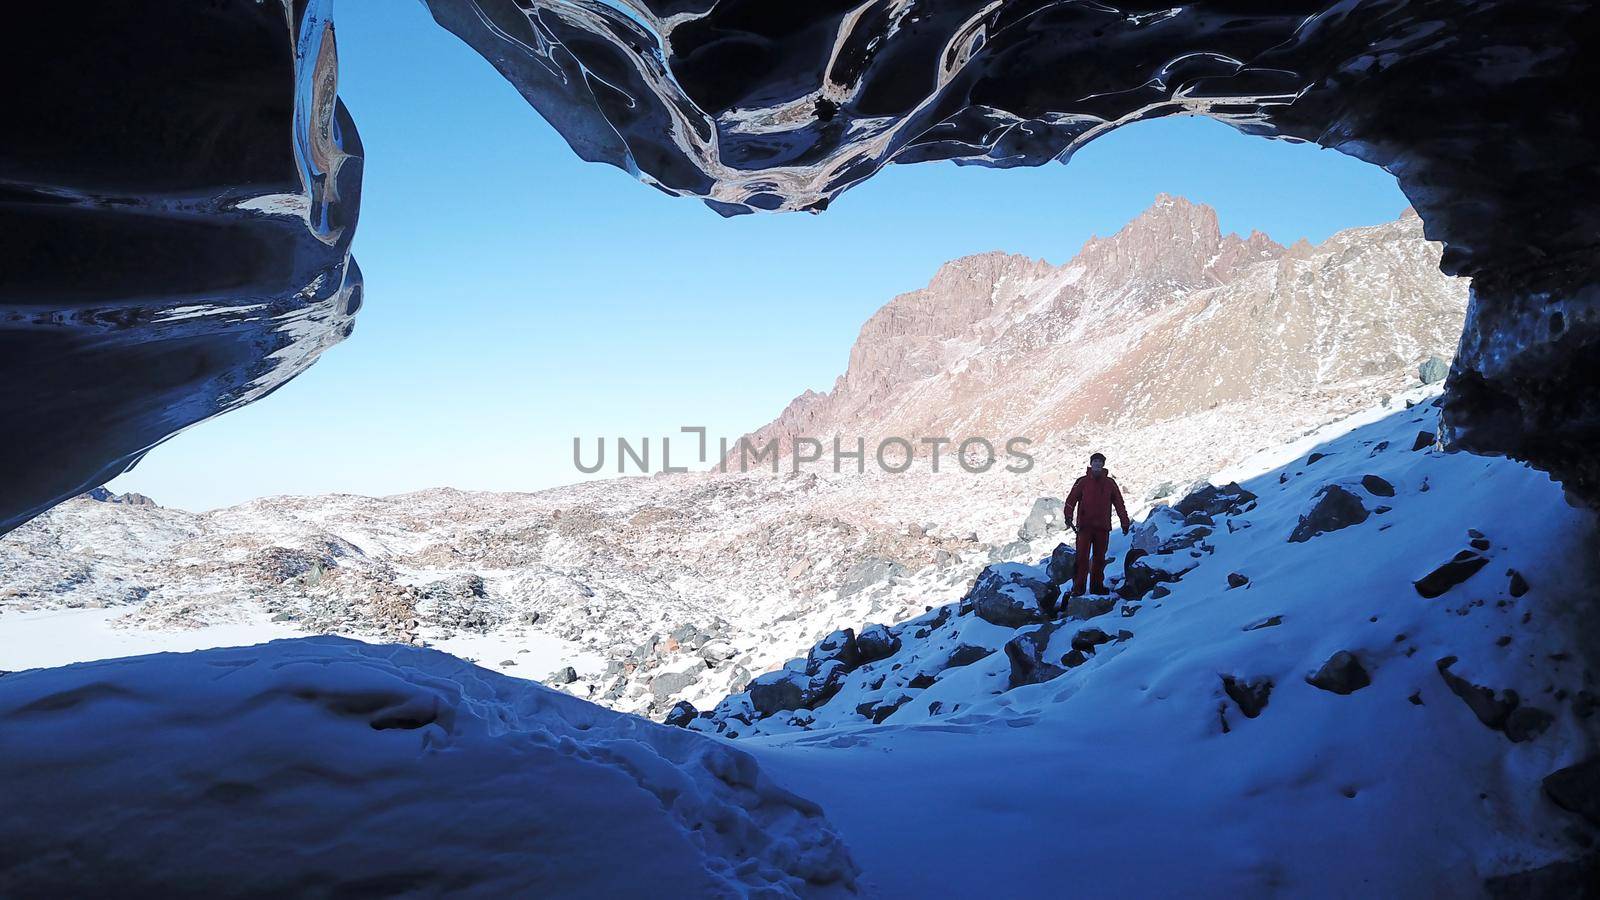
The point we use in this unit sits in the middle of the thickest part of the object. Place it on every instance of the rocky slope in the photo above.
(684, 587)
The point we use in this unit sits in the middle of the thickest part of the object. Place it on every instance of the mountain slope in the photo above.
(1166, 316)
(1207, 731)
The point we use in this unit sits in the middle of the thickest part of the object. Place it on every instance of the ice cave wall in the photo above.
(185, 197)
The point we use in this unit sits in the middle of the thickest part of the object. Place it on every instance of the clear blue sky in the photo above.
(517, 297)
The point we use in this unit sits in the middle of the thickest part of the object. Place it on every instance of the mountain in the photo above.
(1167, 316)
(642, 592)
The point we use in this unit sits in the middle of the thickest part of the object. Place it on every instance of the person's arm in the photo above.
(1073, 496)
(1116, 501)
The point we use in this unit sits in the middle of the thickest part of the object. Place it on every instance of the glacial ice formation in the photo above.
(177, 211)
(183, 207)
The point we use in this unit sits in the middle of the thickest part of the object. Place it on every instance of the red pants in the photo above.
(1095, 541)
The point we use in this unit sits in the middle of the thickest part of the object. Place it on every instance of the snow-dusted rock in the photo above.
(1011, 594)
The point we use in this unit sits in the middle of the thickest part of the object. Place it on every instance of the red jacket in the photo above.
(1094, 496)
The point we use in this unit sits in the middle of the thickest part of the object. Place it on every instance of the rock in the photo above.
(1519, 584)
(718, 651)
(1334, 509)
(1236, 580)
(1012, 595)
(1215, 501)
(1089, 638)
(868, 572)
(1576, 789)
(1341, 674)
(1164, 489)
(1142, 573)
(1315, 457)
(922, 680)
(564, 676)
(1526, 723)
(1088, 607)
(824, 683)
(876, 642)
(776, 691)
(839, 646)
(1044, 518)
(1461, 567)
(1250, 694)
(1433, 370)
(1425, 440)
(681, 714)
(507, 662)
(283, 617)
(666, 684)
(878, 711)
(1492, 711)
(1026, 654)
(966, 655)
(1268, 622)
(1074, 658)
(1063, 565)
(689, 637)
(1376, 486)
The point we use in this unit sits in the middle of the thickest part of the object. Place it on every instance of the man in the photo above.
(1094, 495)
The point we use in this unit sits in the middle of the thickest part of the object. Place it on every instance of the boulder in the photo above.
(1164, 489)
(966, 655)
(1074, 658)
(1250, 693)
(1215, 501)
(776, 691)
(718, 651)
(876, 642)
(668, 683)
(681, 714)
(565, 675)
(839, 646)
(1433, 370)
(1526, 723)
(1063, 564)
(1491, 710)
(1088, 607)
(877, 711)
(1462, 566)
(1013, 595)
(1577, 789)
(1144, 573)
(1341, 674)
(1045, 518)
(1237, 580)
(1335, 508)
(1518, 585)
(825, 682)
(1089, 638)
(868, 572)
(1026, 654)
(1376, 486)
(1425, 440)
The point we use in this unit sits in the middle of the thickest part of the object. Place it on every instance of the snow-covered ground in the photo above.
(1135, 772)
(1315, 728)
(330, 767)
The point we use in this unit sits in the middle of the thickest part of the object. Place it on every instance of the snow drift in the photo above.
(325, 766)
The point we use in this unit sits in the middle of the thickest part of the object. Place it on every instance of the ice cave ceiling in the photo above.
(178, 208)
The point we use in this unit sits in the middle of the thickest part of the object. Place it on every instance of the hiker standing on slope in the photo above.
(1094, 495)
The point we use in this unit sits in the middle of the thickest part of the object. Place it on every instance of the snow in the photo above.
(1119, 778)
(328, 766)
(388, 768)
